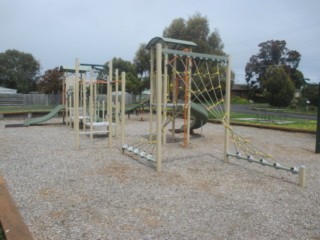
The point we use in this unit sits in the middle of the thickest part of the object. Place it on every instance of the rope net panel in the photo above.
(208, 84)
(203, 79)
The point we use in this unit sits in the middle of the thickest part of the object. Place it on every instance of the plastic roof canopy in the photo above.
(171, 43)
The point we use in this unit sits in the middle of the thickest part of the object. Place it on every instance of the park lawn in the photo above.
(298, 110)
(25, 109)
(290, 123)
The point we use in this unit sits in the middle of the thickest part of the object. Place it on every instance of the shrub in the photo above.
(239, 100)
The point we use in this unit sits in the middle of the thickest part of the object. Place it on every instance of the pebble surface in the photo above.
(99, 193)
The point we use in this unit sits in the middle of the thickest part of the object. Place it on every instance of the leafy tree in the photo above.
(273, 53)
(123, 66)
(50, 81)
(117, 63)
(311, 93)
(297, 78)
(133, 84)
(278, 86)
(177, 29)
(142, 60)
(18, 70)
(196, 29)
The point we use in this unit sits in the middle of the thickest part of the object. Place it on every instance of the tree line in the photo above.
(271, 75)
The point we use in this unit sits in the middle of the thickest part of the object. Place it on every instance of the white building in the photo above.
(7, 91)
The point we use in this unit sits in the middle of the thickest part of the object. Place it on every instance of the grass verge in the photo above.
(25, 109)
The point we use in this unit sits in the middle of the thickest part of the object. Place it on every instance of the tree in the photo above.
(133, 84)
(18, 70)
(50, 81)
(177, 29)
(278, 86)
(273, 53)
(311, 93)
(297, 78)
(142, 60)
(196, 29)
(123, 66)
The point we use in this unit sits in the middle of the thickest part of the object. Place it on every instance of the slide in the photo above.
(200, 115)
(44, 118)
(132, 107)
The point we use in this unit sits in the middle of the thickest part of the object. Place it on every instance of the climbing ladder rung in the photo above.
(138, 152)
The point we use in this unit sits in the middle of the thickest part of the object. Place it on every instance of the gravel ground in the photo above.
(99, 193)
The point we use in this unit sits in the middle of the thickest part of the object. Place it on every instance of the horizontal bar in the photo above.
(264, 162)
(93, 132)
(91, 65)
(138, 152)
(195, 55)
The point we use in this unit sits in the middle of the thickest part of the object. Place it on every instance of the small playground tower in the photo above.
(165, 88)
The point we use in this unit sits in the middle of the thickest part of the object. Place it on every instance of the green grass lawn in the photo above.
(25, 109)
(297, 110)
(278, 121)
(284, 122)
(272, 121)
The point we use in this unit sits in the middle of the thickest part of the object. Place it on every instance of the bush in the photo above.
(279, 87)
(311, 93)
(302, 102)
(239, 100)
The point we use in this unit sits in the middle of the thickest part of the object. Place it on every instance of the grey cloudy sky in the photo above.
(57, 31)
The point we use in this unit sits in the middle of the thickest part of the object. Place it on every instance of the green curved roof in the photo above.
(171, 43)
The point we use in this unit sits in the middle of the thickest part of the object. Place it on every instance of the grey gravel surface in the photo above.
(100, 193)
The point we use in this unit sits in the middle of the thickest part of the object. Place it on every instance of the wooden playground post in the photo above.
(302, 176)
(76, 104)
(67, 110)
(117, 104)
(165, 96)
(123, 105)
(84, 100)
(187, 100)
(227, 109)
(159, 104)
(95, 100)
(109, 104)
(91, 102)
(152, 58)
(189, 65)
(63, 98)
(174, 97)
(70, 106)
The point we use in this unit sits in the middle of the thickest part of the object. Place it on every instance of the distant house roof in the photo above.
(4, 90)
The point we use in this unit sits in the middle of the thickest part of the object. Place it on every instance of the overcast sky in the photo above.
(56, 32)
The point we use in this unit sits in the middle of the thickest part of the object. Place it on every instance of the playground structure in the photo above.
(83, 106)
(182, 82)
(171, 89)
(178, 77)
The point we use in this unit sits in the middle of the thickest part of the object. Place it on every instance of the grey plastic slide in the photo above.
(44, 118)
(200, 115)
